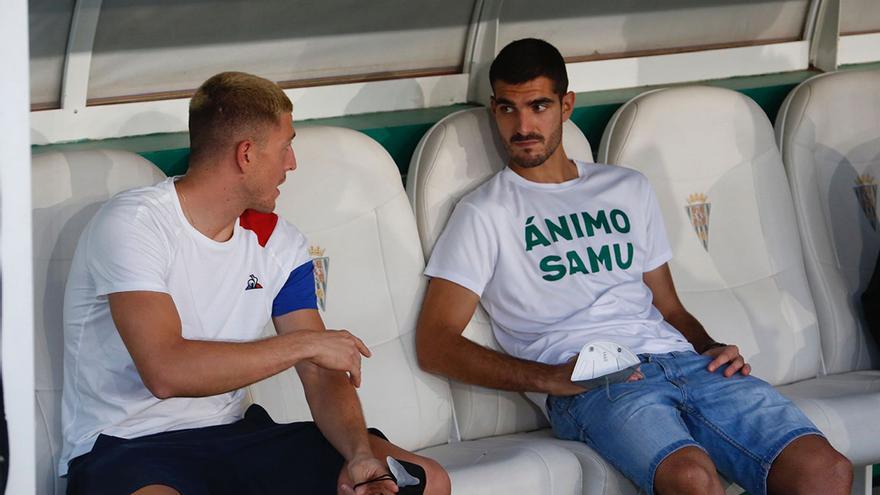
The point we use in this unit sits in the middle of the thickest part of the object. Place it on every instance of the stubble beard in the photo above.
(535, 161)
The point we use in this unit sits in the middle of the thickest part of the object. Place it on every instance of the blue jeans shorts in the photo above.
(741, 422)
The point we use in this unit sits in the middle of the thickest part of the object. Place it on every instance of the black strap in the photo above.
(384, 477)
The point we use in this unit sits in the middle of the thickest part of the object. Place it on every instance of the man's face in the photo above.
(273, 159)
(529, 118)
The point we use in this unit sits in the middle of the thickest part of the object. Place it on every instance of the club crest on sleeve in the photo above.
(321, 270)
(253, 283)
(866, 193)
(697, 210)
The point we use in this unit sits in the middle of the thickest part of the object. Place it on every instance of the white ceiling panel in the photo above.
(859, 16)
(144, 47)
(611, 28)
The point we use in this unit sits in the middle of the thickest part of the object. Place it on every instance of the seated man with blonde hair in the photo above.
(168, 293)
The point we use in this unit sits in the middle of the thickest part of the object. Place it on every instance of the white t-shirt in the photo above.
(223, 291)
(559, 265)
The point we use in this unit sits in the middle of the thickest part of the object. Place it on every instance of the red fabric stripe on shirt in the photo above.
(262, 224)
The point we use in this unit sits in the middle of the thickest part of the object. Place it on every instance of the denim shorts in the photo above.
(741, 422)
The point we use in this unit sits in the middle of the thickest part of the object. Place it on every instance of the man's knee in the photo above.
(687, 471)
(841, 471)
(810, 465)
(438, 482)
(826, 473)
(156, 490)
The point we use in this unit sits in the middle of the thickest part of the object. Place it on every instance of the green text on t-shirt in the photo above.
(580, 225)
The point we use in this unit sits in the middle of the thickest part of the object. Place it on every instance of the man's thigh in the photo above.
(742, 421)
(634, 425)
(263, 457)
(118, 466)
(254, 455)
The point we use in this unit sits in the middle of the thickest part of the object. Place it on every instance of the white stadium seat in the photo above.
(347, 197)
(715, 147)
(455, 156)
(68, 188)
(829, 132)
(741, 272)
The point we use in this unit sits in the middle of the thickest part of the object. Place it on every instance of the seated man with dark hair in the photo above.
(168, 294)
(599, 273)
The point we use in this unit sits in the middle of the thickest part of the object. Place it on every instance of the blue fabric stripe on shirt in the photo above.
(298, 292)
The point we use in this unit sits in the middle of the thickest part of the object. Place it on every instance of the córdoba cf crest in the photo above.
(321, 269)
(698, 212)
(866, 192)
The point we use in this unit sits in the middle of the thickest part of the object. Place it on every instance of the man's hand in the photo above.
(336, 350)
(365, 468)
(559, 380)
(728, 354)
(560, 383)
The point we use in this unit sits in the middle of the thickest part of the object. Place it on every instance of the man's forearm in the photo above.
(195, 368)
(336, 409)
(691, 328)
(466, 361)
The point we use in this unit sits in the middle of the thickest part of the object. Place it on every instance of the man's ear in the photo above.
(567, 105)
(492, 104)
(244, 154)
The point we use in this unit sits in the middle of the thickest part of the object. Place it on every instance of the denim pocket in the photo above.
(616, 391)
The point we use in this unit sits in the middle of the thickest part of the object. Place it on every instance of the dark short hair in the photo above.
(527, 59)
(230, 104)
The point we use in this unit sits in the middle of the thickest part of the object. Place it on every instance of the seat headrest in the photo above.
(344, 174)
(347, 197)
(840, 110)
(713, 130)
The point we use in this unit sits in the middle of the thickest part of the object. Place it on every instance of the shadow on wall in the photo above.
(411, 96)
(402, 142)
(852, 213)
(851, 197)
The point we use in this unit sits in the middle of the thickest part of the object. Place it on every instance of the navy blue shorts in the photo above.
(252, 456)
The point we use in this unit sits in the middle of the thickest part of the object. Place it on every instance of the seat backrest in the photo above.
(68, 188)
(347, 197)
(710, 155)
(455, 156)
(829, 132)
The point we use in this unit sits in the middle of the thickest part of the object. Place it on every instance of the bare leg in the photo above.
(156, 490)
(687, 471)
(437, 481)
(810, 465)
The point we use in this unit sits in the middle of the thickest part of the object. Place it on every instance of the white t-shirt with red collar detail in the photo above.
(226, 291)
(560, 265)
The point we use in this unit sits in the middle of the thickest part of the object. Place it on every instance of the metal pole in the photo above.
(16, 255)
